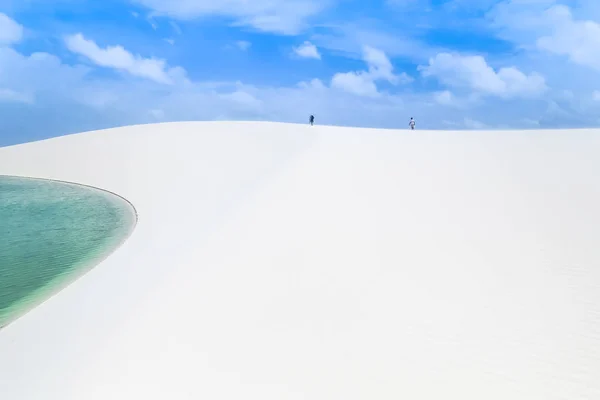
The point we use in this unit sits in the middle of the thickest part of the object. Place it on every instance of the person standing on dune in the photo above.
(312, 120)
(412, 123)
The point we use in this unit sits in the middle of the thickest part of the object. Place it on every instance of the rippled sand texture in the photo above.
(50, 233)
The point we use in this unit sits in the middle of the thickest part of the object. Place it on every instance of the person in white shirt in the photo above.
(412, 123)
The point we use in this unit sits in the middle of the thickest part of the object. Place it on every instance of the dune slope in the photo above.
(276, 261)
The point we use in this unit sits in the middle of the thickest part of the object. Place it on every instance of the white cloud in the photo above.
(243, 45)
(395, 40)
(157, 114)
(176, 27)
(551, 27)
(579, 40)
(243, 99)
(118, 58)
(362, 83)
(449, 124)
(445, 97)
(474, 124)
(380, 66)
(359, 83)
(404, 78)
(9, 95)
(96, 97)
(556, 41)
(465, 101)
(521, 21)
(313, 84)
(473, 73)
(30, 74)
(10, 30)
(530, 123)
(278, 16)
(152, 22)
(307, 50)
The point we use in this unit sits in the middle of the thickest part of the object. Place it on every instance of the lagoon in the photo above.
(50, 234)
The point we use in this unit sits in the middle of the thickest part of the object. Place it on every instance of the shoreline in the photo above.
(92, 259)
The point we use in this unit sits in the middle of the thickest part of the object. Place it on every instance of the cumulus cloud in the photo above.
(524, 21)
(10, 30)
(307, 50)
(474, 73)
(118, 58)
(278, 16)
(359, 83)
(579, 40)
(553, 28)
(28, 74)
(380, 66)
(362, 83)
(313, 84)
(461, 101)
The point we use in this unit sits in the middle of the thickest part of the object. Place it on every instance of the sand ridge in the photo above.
(280, 261)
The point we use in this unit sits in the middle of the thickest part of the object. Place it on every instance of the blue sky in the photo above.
(74, 65)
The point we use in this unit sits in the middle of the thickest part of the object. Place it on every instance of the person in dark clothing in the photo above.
(312, 120)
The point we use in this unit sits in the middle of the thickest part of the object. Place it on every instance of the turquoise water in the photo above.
(50, 234)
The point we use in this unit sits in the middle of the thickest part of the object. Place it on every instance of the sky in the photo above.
(68, 66)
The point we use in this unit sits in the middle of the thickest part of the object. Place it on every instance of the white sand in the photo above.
(277, 261)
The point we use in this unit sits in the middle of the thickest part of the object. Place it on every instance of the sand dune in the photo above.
(276, 261)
